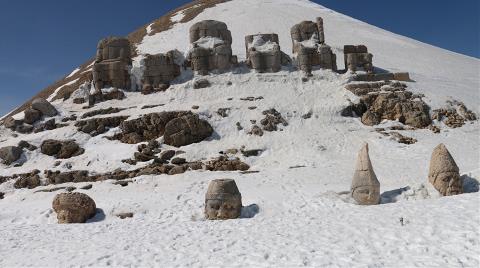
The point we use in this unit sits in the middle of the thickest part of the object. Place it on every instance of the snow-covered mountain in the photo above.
(294, 214)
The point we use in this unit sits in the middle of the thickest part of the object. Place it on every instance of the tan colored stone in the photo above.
(223, 200)
(73, 207)
(365, 188)
(443, 173)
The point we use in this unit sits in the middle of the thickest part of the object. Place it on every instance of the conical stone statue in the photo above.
(365, 188)
(223, 200)
(444, 173)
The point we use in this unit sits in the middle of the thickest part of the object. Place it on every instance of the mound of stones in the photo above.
(178, 128)
(388, 100)
(443, 173)
(270, 122)
(455, 115)
(73, 207)
(223, 200)
(97, 126)
(38, 109)
(61, 149)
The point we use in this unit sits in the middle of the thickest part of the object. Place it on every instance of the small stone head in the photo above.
(444, 173)
(366, 195)
(223, 200)
(73, 207)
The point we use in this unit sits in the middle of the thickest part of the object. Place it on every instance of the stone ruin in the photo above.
(309, 46)
(357, 57)
(160, 70)
(223, 200)
(365, 188)
(211, 47)
(443, 173)
(112, 63)
(73, 207)
(263, 52)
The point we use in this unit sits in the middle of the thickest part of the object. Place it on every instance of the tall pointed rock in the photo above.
(365, 186)
(444, 173)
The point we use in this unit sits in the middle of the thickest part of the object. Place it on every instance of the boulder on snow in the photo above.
(365, 188)
(223, 200)
(186, 130)
(29, 182)
(443, 173)
(10, 154)
(32, 115)
(73, 207)
(44, 107)
(61, 149)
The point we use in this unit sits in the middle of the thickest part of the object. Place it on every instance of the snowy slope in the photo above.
(301, 220)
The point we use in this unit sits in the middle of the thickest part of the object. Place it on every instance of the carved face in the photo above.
(366, 195)
(222, 209)
(448, 183)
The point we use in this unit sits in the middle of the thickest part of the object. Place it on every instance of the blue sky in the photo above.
(41, 41)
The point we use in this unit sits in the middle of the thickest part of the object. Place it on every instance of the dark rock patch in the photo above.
(10, 154)
(186, 130)
(109, 110)
(61, 149)
(97, 126)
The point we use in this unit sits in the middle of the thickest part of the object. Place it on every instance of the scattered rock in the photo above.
(272, 119)
(61, 149)
(166, 155)
(201, 83)
(27, 182)
(44, 107)
(97, 126)
(223, 200)
(223, 112)
(254, 152)
(443, 173)
(256, 130)
(365, 188)
(456, 114)
(178, 161)
(70, 189)
(10, 154)
(32, 115)
(73, 207)
(121, 183)
(223, 163)
(124, 215)
(239, 127)
(186, 130)
(307, 115)
(87, 187)
(177, 170)
(152, 106)
(2, 195)
(100, 96)
(79, 100)
(195, 107)
(109, 110)
(57, 177)
(25, 145)
(252, 107)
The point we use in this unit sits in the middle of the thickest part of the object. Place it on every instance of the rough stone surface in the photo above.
(223, 200)
(61, 149)
(201, 83)
(186, 130)
(44, 107)
(455, 115)
(10, 154)
(73, 207)
(443, 173)
(357, 57)
(160, 70)
(29, 182)
(32, 115)
(25, 145)
(263, 52)
(97, 126)
(223, 163)
(272, 119)
(100, 96)
(205, 59)
(365, 188)
(112, 63)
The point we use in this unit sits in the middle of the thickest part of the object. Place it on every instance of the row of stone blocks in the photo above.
(211, 50)
(224, 201)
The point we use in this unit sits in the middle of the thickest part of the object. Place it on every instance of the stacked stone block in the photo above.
(261, 57)
(160, 70)
(112, 63)
(357, 57)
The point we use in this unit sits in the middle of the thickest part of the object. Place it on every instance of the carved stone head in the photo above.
(223, 200)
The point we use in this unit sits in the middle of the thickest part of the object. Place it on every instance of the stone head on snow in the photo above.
(223, 200)
(444, 173)
(365, 188)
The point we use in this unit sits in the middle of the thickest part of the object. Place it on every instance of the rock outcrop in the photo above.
(97, 126)
(160, 70)
(112, 63)
(44, 107)
(358, 57)
(186, 130)
(61, 149)
(29, 182)
(443, 173)
(309, 46)
(365, 188)
(263, 52)
(211, 47)
(73, 207)
(223, 200)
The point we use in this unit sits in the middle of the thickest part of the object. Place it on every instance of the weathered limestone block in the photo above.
(309, 46)
(263, 52)
(160, 70)
(32, 115)
(10, 154)
(357, 57)
(211, 47)
(444, 173)
(186, 130)
(73, 207)
(365, 188)
(45, 107)
(112, 63)
(223, 200)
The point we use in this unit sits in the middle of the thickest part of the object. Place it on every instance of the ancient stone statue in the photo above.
(309, 46)
(112, 63)
(357, 56)
(263, 52)
(365, 188)
(211, 47)
(444, 173)
(223, 200)
(160, 70)
(73, 207)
